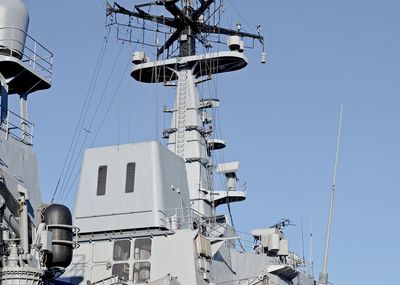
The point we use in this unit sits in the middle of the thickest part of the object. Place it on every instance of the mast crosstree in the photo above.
(187, 21)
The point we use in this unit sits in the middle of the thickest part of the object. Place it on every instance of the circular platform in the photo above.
(216, 144)
(203, 65)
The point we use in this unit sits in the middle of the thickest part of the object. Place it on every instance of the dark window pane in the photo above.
(142, 248)
(122, 270)
(130, 177)
(141, 272)
(122, 249)
(102, 180)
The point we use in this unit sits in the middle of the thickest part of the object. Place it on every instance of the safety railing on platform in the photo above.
(113, 280)
(187, 218)
(181, 218)
(246, 241)
(18, 128)
(17, 43)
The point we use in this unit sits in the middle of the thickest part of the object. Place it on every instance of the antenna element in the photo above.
(323, 276)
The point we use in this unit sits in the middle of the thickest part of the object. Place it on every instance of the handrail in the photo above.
(18, 29)
(32, 53)
(186, 216)
(22, 134)
(26, 47)
(23, 119)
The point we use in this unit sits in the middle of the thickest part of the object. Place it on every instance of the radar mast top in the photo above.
(195, 21)
(189, 24)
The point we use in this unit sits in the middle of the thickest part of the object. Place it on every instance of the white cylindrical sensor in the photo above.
(14, 21)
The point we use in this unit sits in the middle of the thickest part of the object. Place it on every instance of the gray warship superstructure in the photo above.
(152, 211)
(146, 212)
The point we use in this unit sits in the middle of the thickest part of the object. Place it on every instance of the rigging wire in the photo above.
(222, 158)
(110, 104)
(217, 130)
(88, 128)
(90, 125)
(81, 117)
(241, 16)
(102, 121)
(80, 128)
(64, 188)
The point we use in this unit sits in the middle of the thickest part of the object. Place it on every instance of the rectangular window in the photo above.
(102, 180)
(122, 270)
(141, 272)
(130, 177)
(122, 250)
(142, 248)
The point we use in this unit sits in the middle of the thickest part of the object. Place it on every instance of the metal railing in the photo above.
(181, 218)
(17, 43)
(188, 218)
(113, 280)
(18, 128)
(246, 241)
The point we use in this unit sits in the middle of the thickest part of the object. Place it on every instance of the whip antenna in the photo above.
(323, 277)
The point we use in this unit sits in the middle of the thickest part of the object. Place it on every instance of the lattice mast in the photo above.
(190, 24)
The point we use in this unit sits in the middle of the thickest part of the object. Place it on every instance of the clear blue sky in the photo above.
(279, 119)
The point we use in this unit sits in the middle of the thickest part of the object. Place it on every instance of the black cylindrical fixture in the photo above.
(59, 221)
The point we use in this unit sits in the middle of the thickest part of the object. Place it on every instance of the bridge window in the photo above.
(122, 270)
(141, 272)
(122, 250)
(142, 248)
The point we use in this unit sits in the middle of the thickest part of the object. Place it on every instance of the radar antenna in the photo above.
(191, 22)
(282, 224)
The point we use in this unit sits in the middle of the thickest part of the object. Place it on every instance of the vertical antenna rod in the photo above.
(302, 241)
(323, 277)
(311, 252)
